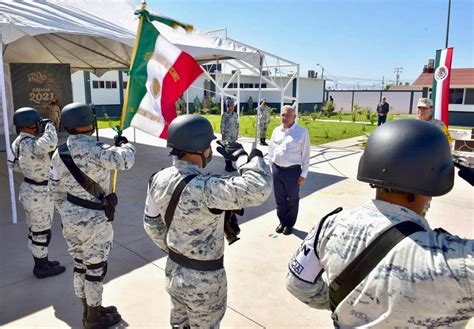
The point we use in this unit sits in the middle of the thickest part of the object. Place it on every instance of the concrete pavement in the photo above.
(256, 265)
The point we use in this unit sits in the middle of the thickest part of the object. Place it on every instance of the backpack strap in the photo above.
(169, 215)
(85, 181)
(366, 261)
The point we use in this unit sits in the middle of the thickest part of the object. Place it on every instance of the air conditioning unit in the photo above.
(311, 74)
(266, 73)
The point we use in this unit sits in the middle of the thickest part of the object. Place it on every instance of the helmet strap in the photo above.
(205, 161)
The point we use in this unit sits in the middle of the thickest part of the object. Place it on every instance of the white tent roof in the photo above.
(95, 35)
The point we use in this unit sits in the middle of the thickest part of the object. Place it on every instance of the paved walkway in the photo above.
(256, 265)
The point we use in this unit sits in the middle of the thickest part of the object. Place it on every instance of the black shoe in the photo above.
(262, 142)
(52, 262)
(43, 270)
(98, 318)
(279, 228)
(287, 230)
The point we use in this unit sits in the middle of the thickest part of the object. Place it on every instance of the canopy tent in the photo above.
(97, 36)
(94, 35)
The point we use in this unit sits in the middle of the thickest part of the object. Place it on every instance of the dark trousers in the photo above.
(382, 119)
(286, 191)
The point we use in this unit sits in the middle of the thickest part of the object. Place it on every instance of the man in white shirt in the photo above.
(288, 154)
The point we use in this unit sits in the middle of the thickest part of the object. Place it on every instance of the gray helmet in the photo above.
(76, 115)
(411, 156)
(190, 133)
(26, 117)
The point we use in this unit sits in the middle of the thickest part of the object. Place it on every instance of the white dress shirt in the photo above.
(289, 147)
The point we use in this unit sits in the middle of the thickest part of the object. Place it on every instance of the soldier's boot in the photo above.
(52, 262)
(98, 318)
(229, 167)
(262, 142)
(108, 309)
(43, 270)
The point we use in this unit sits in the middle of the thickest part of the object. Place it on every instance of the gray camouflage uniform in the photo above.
(264, 120)
(199, 298)
(32, 159)
(426, 281)
(230, 126)
(88, 233)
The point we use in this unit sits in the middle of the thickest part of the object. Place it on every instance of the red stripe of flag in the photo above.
(446, 84)
(180, 76)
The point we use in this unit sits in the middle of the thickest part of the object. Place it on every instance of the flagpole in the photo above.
(447, 25)
(125, 103)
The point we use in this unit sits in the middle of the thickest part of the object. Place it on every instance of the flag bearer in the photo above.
(80, 180)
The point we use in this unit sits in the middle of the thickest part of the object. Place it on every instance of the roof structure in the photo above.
(459, 77)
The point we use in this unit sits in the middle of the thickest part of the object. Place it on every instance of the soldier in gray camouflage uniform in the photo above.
(30, 156)
(195, 277)
(230, 129)
(88, 231)
(427, 279)
(263, 121)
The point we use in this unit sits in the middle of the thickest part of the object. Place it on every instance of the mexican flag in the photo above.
(441, 81)
(159, 74)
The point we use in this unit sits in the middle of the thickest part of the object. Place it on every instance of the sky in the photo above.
(358, 42)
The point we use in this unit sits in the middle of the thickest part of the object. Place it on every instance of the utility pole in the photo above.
(383, 81)
(397, 71)
(447, 26)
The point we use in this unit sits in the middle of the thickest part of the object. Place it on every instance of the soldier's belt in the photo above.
(31, 181)
(195, 264)
(84, 203)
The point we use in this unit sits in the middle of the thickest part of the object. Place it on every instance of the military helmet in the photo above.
(190, 133)
(408, 155)
(26, 117)
(76, 115)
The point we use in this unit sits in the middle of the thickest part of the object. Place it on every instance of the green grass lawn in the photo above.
(319, 132)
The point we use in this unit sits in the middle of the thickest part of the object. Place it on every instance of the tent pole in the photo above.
(187, 101)
(259, 97)
(6, 132)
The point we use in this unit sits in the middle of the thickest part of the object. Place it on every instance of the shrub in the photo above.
(339, 114)
(328, 108)
(373, 118)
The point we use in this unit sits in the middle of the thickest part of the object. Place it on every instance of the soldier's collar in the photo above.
(26, 134)
(398, 210)
(186, 164)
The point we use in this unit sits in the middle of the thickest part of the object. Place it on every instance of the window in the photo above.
(102, 84)
(456, 95)
(264, 85)
(125, 84)
(469, 96)
(95, 84)
(108, 84)
(114, 84)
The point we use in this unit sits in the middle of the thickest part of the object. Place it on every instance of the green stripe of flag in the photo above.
(136, 89)
(434, 87)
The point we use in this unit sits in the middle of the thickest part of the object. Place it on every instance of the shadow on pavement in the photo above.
(132, 247)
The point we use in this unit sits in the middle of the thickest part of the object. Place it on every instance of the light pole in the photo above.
(322, 71)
